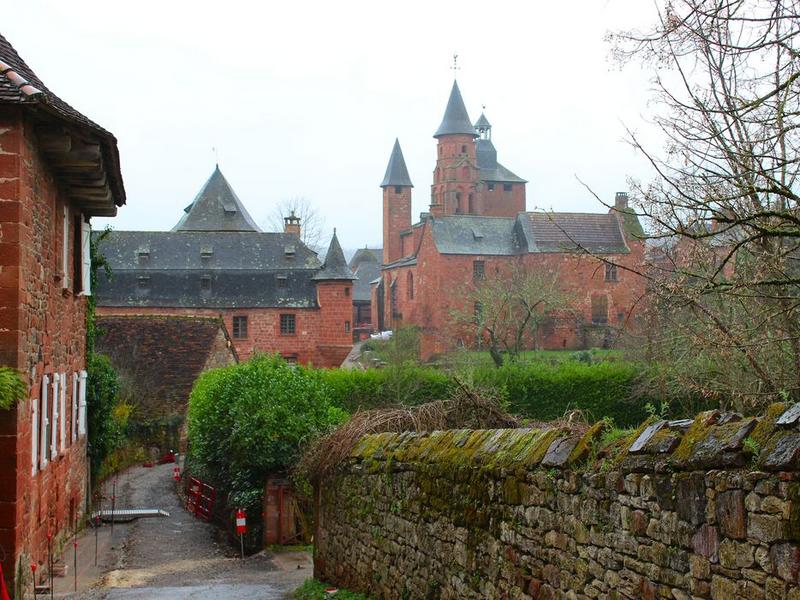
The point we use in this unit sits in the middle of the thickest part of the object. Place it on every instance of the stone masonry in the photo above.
(703, 508)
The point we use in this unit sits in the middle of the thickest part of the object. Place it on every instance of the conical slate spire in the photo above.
(216, 208)
(335, 266)
(482, 124)
(396, 171)
(456, 120)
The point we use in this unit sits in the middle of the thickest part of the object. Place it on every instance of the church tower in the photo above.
(454, 189)
(396, 186)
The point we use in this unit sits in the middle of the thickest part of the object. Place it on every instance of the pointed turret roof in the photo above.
(396, 171)
(482, 123)
(335, 266)
(216, 208)
(456, 120)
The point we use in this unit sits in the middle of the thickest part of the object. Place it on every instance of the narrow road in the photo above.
(180, 557)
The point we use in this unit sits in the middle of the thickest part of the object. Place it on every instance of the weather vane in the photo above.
(216, 154)
(455, 66)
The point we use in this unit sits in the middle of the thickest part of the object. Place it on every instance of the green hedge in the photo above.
(12, 388)
(538, 391)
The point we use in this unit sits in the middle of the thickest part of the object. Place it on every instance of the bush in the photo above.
(247, 422)
(540, 391)
(12, 388)
(105, 429)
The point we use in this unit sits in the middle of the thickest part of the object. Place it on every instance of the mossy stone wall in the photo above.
(705, 508)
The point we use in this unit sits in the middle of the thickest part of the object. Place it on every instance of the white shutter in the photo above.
(54, 424)
(65, 253)
(45, 420)
(86, 259)
(34, 429)
(62, 414)
(82, 405)
(73, 422)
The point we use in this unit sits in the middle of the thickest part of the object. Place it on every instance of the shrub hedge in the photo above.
(538, 391)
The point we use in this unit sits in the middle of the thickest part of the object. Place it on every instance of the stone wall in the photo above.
(703, 508)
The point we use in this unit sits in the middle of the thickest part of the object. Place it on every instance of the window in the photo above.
(86, 258)
(507, 187)
(288, 325)
(205, 283)
(281, 281)
(73, 423)
(398, 189)
(82, 404)
(478, 270)
(77, 262)
(347, 326)
(143, 282)
(65, 227)
(490, 187)
(410, 285)
(611, 272)
(347, 292)
(463, 149)
(471, 208)
(44, 422)
(599, 310)
(240, 327)
(143, 255)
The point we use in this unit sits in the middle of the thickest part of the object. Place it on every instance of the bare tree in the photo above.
(312, 225)
(724, 207)
(505, 310)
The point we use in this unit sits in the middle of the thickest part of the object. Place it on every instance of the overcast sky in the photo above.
(306, 98)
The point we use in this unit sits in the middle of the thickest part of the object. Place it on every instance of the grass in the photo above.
(315, 590)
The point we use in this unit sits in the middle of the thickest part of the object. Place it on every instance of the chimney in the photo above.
(621, 200)
(291, 224)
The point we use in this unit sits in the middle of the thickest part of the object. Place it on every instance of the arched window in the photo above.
(472, 204)
(410, 285)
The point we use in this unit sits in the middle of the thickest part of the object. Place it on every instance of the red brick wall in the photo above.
(455, 175)
(335, 299)
(42, 330)
(263, 328)
(441, 280)
(499, 203)
(396, 219)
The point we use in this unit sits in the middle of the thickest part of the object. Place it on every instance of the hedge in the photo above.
(537, 391)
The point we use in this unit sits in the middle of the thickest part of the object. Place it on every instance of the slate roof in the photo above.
(335, 266)
(569, 232)
(163, 354)
(491, 170)
(482, 123)
(471, 234)
(529, 232)
(241, 269)
(366, 266)
(396, 171)
(455, 120)
(216, 208)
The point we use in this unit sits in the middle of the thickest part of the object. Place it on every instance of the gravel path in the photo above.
(182, 557)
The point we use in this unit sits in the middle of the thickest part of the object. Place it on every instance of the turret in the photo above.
(396, 186)
(456, 173)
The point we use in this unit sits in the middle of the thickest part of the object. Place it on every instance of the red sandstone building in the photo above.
(271, 290)
(57, 169)
(477, 224)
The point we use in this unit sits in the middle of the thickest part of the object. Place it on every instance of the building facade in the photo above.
(57, 170)
(477, 226)
(271, 291)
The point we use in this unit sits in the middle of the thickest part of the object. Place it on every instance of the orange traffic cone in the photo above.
(3, 589)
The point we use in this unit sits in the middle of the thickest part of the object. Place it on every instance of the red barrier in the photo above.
(200, 499)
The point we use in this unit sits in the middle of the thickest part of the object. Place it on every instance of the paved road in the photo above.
(181, 557)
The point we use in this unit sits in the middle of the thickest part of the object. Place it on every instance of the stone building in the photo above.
(158, 358)
(366, 267)
(57, 170)
(271, 290)
(477, 225)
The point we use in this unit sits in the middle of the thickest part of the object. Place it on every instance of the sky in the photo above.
(305, 98)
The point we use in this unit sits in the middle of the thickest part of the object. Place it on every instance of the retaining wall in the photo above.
(705, 508)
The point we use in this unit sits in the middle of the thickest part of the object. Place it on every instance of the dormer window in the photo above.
(143, 282)
(281, 281)
(143, 255)
(206, 253)
(289, 251)
(205, 283)
(477, 235)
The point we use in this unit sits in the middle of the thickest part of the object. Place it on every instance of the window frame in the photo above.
(478, 270)
(236, 327)
(611, 272)
(287, 324)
